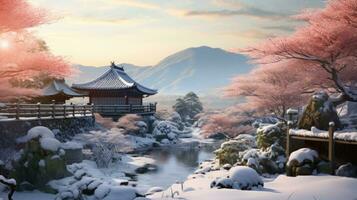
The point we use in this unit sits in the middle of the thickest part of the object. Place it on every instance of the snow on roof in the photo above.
(115, 78)
(345, 134)
(59, 87)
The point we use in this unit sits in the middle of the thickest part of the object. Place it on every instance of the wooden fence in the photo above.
(115, 110)
(26, 111)
(330, 141)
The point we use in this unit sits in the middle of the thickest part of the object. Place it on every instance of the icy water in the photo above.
(175, 164)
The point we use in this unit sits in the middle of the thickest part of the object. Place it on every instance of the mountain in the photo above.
(200, 69)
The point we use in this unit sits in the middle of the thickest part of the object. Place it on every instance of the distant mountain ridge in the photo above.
(199, 69)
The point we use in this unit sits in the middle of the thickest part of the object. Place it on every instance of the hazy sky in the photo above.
(142, 32)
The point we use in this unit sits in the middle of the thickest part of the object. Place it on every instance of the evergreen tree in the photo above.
(188, 106)
(181, 108)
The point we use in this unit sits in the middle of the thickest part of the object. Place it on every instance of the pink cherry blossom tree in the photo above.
(324, 50)
(22, 55)
(269, 90)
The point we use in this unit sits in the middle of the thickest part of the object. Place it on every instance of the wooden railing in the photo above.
(25, 111)
(114, 110)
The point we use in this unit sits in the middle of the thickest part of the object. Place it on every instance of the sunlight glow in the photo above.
(4, 44)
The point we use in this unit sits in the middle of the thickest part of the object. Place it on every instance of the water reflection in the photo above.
(175, 164)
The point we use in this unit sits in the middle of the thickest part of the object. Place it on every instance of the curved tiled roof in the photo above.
(59, 87)
(115, 78)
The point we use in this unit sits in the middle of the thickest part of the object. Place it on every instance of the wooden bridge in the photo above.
(29, 111)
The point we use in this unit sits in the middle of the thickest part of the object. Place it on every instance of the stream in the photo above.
(175, 164)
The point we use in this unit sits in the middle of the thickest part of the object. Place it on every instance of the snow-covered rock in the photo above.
(347, 170)
(301, 155)
(245, 178)
(154, 190)
(240, 177)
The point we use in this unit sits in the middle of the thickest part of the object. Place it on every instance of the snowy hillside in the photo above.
(201, 69)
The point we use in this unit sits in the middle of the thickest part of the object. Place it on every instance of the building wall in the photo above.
(108, 100)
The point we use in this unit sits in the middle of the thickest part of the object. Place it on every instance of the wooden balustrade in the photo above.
(25, 111)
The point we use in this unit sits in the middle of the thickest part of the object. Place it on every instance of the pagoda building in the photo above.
(115, 87)
(57, 91)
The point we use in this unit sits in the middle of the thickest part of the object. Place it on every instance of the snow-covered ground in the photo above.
(322, 187)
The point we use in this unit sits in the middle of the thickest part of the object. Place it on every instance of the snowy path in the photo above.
(282, 188)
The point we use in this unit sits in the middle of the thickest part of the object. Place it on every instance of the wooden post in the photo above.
(73, 110)
(130, 108)
(17, 110)
(64, 111)
(92, 109)
(84, 110)
(39, 110)
(331, 147)
(288, 139)
(53, 109)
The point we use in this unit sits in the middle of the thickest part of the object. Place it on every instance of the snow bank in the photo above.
(324, 187)
(303, 154)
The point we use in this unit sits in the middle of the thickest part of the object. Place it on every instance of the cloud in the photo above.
(98, 21)
(285, 28)
(246, 11)
(135, 3)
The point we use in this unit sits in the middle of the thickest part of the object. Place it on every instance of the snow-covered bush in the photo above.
(271, 160)
(165, 130)
(176, 118)
(143, 127)
(268, 134)
(229, 151)
(240, 177)
(103, 155)
(41, 160)
(130, 123)
(247, 139)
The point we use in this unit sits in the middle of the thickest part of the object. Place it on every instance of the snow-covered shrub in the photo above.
(271, 160)
(165, 130)
(240, 177)
(229, 151)
(143, 127)
(269, 134)
(130, 123)
(176, 118)
(103, 155)
(41, 160)
(247, 139)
